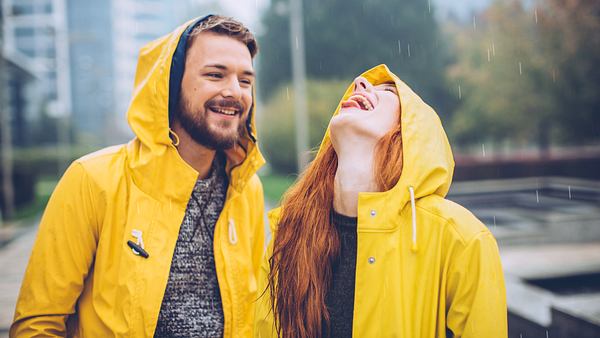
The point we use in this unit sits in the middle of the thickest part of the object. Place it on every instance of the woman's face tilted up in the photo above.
(368, 114)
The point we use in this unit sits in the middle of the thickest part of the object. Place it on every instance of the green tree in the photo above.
(527, 74)
(276, 127)
(345, 38)
(570, 29)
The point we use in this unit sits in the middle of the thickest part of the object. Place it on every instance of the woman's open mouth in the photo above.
(358, 101)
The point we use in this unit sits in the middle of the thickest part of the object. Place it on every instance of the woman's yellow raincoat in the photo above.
(424, 264)
(82, 276)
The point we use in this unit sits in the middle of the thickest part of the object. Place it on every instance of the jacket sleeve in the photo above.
(60, 260)
(476, 295)
(263, 319)
(259, 226)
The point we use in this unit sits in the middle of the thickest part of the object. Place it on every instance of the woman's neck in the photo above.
(354, 174)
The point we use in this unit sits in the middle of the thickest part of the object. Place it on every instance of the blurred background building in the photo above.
(84, 55)
(35, 33)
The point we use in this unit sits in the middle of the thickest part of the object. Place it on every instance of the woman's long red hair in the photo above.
(306, 243)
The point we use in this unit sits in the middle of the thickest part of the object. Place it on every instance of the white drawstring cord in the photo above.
(232, 232)
(414, 218)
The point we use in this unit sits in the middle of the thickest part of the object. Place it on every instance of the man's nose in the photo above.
(362, 85)
(233, 89)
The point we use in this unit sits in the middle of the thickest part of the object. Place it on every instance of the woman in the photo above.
(365, 245)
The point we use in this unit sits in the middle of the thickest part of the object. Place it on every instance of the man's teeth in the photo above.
(362, 102)
(225, 111)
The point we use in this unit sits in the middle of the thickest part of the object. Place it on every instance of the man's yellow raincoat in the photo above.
(82, 276)
(424, 264)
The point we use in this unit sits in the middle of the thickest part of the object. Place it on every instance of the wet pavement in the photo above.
(13, 260)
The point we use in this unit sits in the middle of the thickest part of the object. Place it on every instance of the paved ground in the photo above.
(13, 260)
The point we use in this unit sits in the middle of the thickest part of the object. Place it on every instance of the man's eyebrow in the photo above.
(223, 67)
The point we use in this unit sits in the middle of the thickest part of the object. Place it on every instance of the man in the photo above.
(163, 236)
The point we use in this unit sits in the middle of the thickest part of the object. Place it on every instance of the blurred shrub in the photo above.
(24, 187)
(30, 164)
(276, 121)
(275, 186)
(528, 74)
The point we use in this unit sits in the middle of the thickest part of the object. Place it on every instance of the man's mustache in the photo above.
(225, 103)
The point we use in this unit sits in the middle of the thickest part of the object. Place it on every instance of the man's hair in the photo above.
(227, 26)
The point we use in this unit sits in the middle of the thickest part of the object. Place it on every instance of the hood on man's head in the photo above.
(178, 67)
(157, 91)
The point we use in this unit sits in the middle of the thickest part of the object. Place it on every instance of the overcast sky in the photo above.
(248, 10)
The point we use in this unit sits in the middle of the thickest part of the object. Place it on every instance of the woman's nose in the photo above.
(362, 85)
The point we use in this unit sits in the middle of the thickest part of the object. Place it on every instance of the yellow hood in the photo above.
(156, 94)
(428, 163)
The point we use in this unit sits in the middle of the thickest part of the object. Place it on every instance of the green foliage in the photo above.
(571, 34)
(31, 164)
(276, 121)
(43, 190)
(275, 186)
(345, 38)
(526, 75)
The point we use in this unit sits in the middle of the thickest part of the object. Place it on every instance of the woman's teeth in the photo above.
(362, 102)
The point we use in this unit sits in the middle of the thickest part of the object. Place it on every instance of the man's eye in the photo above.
(246, 81)
(215, 75)
(390, 89)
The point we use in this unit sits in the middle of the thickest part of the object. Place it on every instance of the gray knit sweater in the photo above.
(191, 306)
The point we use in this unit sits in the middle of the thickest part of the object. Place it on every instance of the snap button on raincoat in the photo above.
(83, 279)
(425, 266)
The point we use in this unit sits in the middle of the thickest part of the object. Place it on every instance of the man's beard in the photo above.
(197, 126)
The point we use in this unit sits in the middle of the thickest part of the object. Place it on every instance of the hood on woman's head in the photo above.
(427, 160)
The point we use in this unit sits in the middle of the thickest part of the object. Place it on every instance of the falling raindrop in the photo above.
(535, 13)
(459, 93)
(408, 49)
(494, 222)
(297, 43)
(429, 5)
(483, 149)
(553, 75)
(570, 192)
(287, 92)
(474, 24)
(537, 196)
(520, 69)
(488, 50)
(399, 48)
(493, 49)
(547, 334)
(520, 335)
